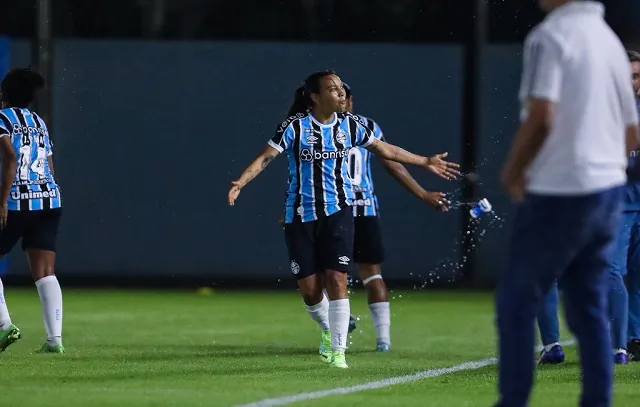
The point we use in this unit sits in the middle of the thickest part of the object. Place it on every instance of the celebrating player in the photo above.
(319, 229)
(368, 251)
(30, 203)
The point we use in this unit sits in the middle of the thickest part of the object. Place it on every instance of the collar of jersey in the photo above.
(333, 122)
(578, 6)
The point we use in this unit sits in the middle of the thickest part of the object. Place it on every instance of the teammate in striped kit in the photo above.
(368, 249)
(30, 203)
(319, 229)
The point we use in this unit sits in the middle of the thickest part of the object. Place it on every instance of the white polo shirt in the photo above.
(575, 60)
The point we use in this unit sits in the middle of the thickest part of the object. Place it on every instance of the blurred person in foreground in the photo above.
(566, 173)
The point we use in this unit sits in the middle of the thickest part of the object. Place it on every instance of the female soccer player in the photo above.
(317, 138)
(368, 248)
(30, 203)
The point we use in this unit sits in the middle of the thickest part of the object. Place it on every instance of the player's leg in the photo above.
(549, 325)
(40, 242)
(336, 258)
(9, 236)
(542, 236)
(369, 254)
(300, 238)
(618, 297)
(585, 289)
(633, 288)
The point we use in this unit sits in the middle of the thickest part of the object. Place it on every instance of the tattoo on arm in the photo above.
(266, 160)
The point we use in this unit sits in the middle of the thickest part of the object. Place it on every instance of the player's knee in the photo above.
(310, 290)
(336, 284)
(376, 288)
(42, 272)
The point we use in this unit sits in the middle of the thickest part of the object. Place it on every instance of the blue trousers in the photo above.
(572, 239)
(624, 301)
(548, 321)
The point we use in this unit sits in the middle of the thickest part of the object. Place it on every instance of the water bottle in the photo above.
(479, 209)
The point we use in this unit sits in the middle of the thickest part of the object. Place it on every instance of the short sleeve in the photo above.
(283, 139)
(4, 131)
(49, 147)
(542, 68)
(48, 143)
(377, 132)
(363, 137)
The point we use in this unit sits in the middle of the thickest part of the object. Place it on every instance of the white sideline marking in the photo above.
(379, 384)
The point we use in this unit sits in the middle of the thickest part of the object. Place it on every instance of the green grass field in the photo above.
(127, 348)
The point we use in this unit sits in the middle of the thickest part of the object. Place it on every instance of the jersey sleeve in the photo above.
(49, 147)
(283, 139)
(4, 131)
(542, 67)
(363, 137)
(377, 132)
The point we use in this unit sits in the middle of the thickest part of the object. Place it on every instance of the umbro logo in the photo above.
(312, 139)
(344, 260)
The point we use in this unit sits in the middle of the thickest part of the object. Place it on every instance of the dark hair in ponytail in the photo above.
(302, 98)
(19, 87)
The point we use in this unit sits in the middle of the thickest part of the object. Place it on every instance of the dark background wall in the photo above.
(149, 135)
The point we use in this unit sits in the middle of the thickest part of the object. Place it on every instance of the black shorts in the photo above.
(38, 230)
(367, 242)
(324, 244)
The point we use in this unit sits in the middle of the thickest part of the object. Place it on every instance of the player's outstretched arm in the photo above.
(252, 171)
(435, 164)
(436, 200)
(9, 168)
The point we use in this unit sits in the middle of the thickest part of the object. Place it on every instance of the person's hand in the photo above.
(436, 200)
(234, 192)
(514, 184)
(442, 168)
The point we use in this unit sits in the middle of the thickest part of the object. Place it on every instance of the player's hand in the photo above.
(436, 200)
(514, 184)
(4, 212)
(234, 192)
(442, 168)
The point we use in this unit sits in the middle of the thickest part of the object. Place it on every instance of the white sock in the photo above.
(5, 319)
(381, 316)
(339, 313)
(320, 313)
(51, 299)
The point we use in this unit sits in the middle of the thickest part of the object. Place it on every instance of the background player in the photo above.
(627, 259)
(629, 246)
(318, 214)
(30, 203)
(368, 251)
(549, 325)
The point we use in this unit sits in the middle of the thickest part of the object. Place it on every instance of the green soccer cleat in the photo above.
(9, 336)
(46, 348)
(325, 347)
(338, 360)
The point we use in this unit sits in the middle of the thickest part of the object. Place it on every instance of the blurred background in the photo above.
(156, 106)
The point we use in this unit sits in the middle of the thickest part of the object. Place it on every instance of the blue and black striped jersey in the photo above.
(319, 183)
(34, 187)
(365, 202)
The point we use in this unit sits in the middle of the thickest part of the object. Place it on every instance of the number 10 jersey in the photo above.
(34, 187)
(359, 164)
